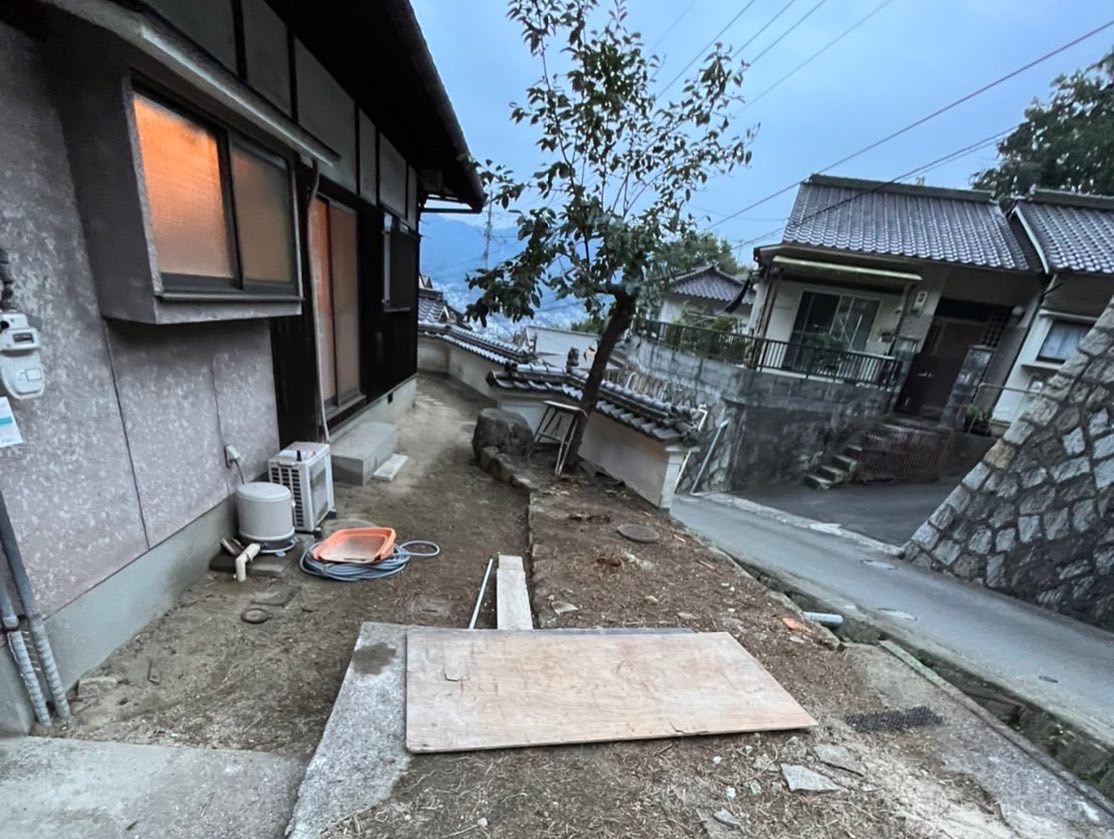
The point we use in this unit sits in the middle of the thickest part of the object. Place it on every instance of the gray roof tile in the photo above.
(1075, 232)
(708, 284)
(652, 417)
(920, 222)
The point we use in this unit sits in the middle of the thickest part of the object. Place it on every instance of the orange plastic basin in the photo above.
(357, 544)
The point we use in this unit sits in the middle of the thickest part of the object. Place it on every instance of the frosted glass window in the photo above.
(182, 174)
(1062, 341)
(264, 217)
(346, 301)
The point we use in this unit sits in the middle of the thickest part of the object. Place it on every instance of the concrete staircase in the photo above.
(837, 470)
(362, 449)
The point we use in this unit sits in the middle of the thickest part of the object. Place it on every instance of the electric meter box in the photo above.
(21, 371)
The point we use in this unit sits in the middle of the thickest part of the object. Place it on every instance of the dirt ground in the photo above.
(673, 788)
(201, 676)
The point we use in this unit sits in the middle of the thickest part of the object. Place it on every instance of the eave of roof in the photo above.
(376, 50)
(1071, 233)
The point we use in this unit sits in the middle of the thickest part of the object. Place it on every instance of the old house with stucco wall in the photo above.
(212, 219)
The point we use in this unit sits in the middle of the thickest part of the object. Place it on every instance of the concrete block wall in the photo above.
(779, 426)
(1033, 519)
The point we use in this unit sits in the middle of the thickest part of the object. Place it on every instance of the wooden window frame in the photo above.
(238, 286)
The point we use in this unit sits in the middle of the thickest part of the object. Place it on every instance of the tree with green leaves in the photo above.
(620, 161)
(1065, 143)
(700, 249)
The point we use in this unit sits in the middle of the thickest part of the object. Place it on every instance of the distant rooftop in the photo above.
(1074, 232)
(708, 283)
(962, 226)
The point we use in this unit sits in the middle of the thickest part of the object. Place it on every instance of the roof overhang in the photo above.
(810, 267)
(377, 52)
(163, 45)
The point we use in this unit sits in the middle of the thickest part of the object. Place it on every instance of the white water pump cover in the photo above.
(265, 512)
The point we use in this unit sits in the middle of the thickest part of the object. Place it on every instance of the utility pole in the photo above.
(487, 236)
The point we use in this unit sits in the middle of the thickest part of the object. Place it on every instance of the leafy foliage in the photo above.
(593, 325)
(696, 251)
(1065, 143)
(620, 161)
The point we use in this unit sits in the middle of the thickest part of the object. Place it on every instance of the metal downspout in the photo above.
(14, 558)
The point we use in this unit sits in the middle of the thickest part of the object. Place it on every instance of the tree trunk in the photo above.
(618, 319)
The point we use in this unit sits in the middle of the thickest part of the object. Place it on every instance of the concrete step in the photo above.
(817, 482)
(832, 473)
(390, 468)
(361, 449)
(853, 451)
(847, 464)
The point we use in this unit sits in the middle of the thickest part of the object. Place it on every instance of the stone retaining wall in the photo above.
(779, 426)
(1032, 519)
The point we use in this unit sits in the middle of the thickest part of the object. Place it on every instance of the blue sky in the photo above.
(909, 59)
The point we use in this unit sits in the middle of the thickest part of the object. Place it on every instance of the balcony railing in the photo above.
(807, 359)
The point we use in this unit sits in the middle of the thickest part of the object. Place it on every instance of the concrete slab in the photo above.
(1049, 661)
(90, 789)
(363, 750)
(362, 449)
(390, 468)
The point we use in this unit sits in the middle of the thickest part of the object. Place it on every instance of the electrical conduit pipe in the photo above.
(22, 658)
(14, 558)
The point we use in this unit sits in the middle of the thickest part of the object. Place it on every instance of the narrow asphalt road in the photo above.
(1061, 665)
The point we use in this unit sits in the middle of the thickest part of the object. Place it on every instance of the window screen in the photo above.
(264, 217)
(403, 263)
(182, 173)
(1062, 340)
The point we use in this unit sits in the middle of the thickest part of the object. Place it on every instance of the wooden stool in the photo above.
(558, 424)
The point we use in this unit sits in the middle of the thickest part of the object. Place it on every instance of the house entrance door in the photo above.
(934, 369)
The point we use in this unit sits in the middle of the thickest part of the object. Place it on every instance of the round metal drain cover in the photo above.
(639, 533)
(255, 615)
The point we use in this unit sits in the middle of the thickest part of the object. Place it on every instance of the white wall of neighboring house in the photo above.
(672, 309)
(553, 345)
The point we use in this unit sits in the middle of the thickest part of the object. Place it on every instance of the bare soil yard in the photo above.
(203, 677)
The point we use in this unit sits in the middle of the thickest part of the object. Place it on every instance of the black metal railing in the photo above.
(811, 359)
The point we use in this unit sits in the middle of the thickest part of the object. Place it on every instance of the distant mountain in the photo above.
(452, 249)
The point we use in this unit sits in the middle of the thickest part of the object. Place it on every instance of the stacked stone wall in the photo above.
(1033, 519)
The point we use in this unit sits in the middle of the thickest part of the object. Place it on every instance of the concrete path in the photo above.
(890, 513)
(1057, 664)
(95, 790)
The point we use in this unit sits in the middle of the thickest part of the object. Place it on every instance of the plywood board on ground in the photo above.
(512, 599)
(492, 690)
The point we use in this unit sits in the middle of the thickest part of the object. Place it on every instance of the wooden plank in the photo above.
(492, 690)
(512, 600)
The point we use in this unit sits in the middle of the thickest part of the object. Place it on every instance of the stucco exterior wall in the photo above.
(125, 447)
(1033, 519)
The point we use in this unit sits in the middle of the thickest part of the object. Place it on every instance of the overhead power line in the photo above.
(762, 28)
(916, 123)
(669, 29)
(816, 54)
(710, 43)
(787, 32)
(918, 170)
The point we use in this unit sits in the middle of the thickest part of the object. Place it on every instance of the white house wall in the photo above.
(645, 465)
(1076, 300)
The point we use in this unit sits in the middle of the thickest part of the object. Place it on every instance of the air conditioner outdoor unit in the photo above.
(306, 469)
